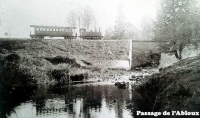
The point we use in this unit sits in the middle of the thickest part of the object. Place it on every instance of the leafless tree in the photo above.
(130, 32)
(109, 33)
(147, 27)
(84, 18)
(87, 17)
(119, 23)
(72, 19)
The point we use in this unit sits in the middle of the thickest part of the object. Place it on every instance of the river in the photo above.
(76, 101)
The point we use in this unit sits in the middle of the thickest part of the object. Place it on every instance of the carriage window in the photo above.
(60, 30)
(50, 29)
(37, 28)
(56, 29)
(47, 29)
(43, 29)
(53, 29)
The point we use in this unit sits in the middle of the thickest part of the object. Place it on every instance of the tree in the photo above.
(119, 24)
(130, 32)
(88, 18)
(109, 33)
(178, 22)
(147, 27)
(84, 18)
(72, 19)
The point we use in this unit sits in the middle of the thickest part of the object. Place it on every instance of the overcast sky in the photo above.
(16, 16)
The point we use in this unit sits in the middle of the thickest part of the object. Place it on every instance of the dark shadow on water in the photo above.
(12, 97)
(91, 97)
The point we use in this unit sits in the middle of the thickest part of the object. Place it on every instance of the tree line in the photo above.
(177, 26)
(83, 18)
(125, 30)
(177, 23)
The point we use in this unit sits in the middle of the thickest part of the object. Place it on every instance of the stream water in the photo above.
(77, 101)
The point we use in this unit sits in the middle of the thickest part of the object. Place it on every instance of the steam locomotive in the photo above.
(66, 32)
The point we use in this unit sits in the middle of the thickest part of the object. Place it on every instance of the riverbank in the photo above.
(56, 60)
(176, 87)
(25, 64)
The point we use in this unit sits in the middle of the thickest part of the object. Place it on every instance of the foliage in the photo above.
(119, 30)
(14, 75)
(174, 88)
(85, 18)
(129, 32)
(72, 19)
(147, 26)
(88, 17)
(159, 93)
(109, 33)
(177, 22)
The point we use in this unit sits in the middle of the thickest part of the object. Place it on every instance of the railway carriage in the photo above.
(53, 31)
(67, 32)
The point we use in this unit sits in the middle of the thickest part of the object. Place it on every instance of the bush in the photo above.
(12, 58)
(59, 76)
(158, 91)
(3, 51)
(59, 59)
(13, 75)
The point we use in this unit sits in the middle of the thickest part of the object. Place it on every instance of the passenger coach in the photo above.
(53, 31)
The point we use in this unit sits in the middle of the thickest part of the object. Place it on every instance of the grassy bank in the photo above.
(80, 49)
(145, 53)
(49, 61)
(176, 87)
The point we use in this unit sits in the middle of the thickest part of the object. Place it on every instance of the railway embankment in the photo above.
(55, 61)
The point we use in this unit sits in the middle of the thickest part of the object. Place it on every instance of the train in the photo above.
(40, 32)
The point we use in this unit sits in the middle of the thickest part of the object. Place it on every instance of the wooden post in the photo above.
(130, 54)
(69, 79)
(84, 78)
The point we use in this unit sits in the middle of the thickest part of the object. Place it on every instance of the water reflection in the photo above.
(85, 101)
(12, 97)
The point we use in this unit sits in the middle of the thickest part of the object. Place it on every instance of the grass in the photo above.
(175, 88)
(76, 48)
(35, 54)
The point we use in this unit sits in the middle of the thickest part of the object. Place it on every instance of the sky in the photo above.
(16, 16)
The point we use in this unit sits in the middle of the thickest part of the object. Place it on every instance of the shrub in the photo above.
(60, 76)
(157, 92)
(14, 75)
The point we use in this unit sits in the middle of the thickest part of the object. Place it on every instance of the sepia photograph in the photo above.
(99, 58)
